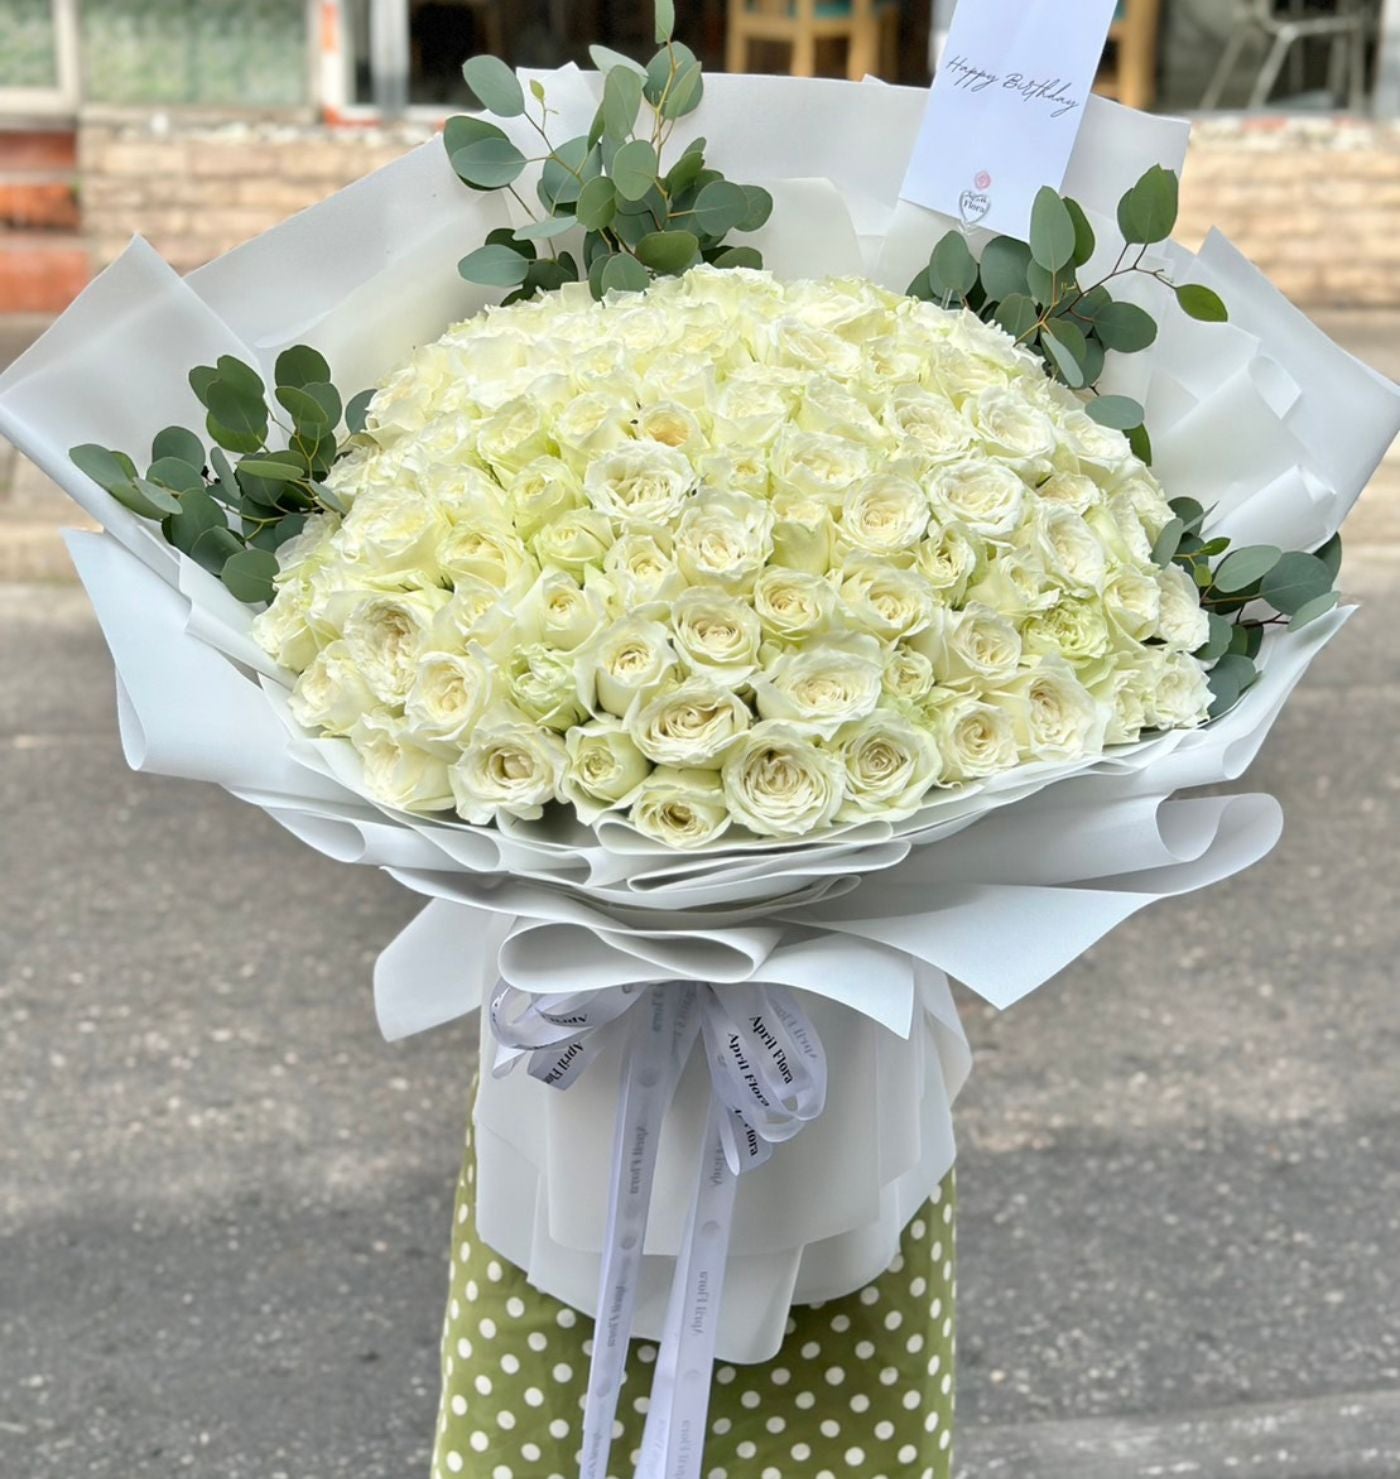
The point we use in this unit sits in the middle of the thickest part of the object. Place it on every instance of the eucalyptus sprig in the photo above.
(1238, 585)
(640, 218)
(1032, 289)
(232, 517)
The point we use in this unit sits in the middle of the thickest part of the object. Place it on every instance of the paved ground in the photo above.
(224, 1202)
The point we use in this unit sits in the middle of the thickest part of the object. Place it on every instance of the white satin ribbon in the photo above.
(768, 1078)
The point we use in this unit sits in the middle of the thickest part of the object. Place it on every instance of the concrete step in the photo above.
(1353, 1436)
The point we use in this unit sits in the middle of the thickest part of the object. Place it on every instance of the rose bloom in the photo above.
(398, 772)
(793, 604)
(450, 694)
(984, 497)
(779, 784)
(386, 634)
(631, 659)
(604, 768)
(977, 739)
(724, 540)
(884, 515)
(639, 480)
(681, 808)
(509, 765)
(1056, 716)
(693, 724)
(331, 694)
(716, 634)
(823, 687)
(975, 645)
(891, 765)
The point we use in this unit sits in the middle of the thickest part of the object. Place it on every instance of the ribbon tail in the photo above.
(664, 1028)
(674, 1439)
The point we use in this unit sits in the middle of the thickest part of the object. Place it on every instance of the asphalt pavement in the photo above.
(225, 1203)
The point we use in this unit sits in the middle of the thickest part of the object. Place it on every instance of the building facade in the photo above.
(201, 122)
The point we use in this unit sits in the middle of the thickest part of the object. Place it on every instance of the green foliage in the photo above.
(638, 214)
(1032, 290)
(231, 517)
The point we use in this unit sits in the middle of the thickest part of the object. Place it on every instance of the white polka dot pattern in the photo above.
(862, 1388)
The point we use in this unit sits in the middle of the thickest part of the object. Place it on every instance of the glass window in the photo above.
(214, 53)
(28, 44)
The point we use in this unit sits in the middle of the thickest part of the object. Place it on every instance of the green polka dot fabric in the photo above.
(863, 1386)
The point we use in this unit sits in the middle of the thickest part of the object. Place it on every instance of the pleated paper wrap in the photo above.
(999, 885)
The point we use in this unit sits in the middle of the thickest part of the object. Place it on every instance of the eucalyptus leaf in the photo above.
(1331, 555)
(1141, 444)
(605, 59)
(1167, 543)
(760, 208)
(1309, 611)
(301, 365)
(684, 93)
(241, 377)
(274, 536)
(1217, 644)
(622, 99)
(1120, 412)
(720, 207)
(1052, 231)
(107, 469)
(496, 85)
(665, 20)
(175, 441)
(1147, 212)
(307, 411)
(547, 229)
(1191, 513)
(494, 266)
(1125, 327)
(357, 410)
(597, 204)
(146, 499)
(1065, 346)
(670, 252)
(1004, 264)
(1294, 581)
(952, 269)
(1084, 241)
(1017, 315)
(739, 256)
(201, 378)
(197, 514)
(244, 415)
(489, 164)
(249, 575)
(634, 169)
(1202, 303)
(1245, 567)
(214, 547)
(684, 172)
(624, 274)
(176, 474)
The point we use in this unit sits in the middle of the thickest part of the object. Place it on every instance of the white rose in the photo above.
(476, 612)
(681, 808)
(884, 515)
(283, 630)
(1071, 490)
(1121, 532)
(891, 764)
(640, 480)
(591, 425)
(716, 634)
(1069, 549)
(810, 348)
(735, 469)
(513, 437)
(543, 684)
(398, 772)
(691, 725)
(724, 539)
(496, 557)
(1011, 429)
(576, 541)
(949, 560)
(540, 492)
(1125, 690)
(1181, 694)
(394, 530)
(793, 604)
(908, 675)
(1133, 602)
(984, 497)
(604, 769)
(779, 783)
(448, 697)
(331, 694)
(1057, 717)
(976, 739)
(1096, 447)
(1076, 630)
(559, 612)
(387, 634)
(642, 568)
(803, 532)
(1148, 501)
(631, 659)
(751, 410)
(1182, 623)
(820, 688)
(670, 424)
(510, 765)
(818, 465)
(933, 422)
(886, 601)
(1014, 583)
(975, 645)
(831, 408)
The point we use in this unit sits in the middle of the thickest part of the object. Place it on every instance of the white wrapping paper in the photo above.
(1000, 885)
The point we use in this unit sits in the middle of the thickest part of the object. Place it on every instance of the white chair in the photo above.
(1345, 25)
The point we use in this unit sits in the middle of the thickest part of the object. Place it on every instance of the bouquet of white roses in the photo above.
(732, 644)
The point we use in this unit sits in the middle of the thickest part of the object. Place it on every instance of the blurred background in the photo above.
(224, 1202)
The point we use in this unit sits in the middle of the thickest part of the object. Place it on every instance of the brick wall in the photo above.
(1316, 202)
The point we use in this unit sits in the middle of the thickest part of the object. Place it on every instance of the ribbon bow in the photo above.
(768, 1079)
